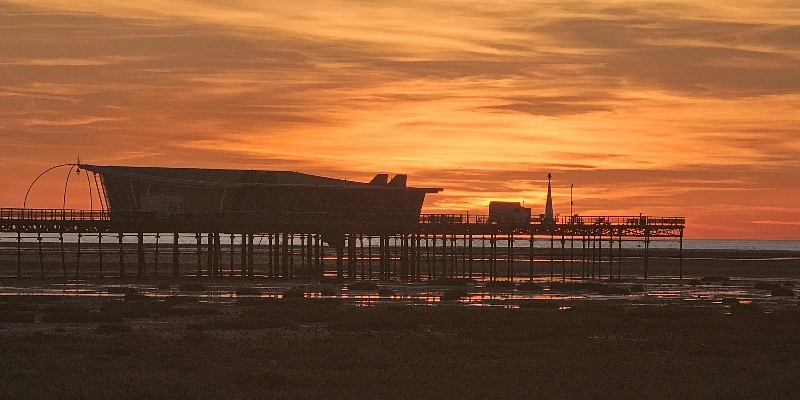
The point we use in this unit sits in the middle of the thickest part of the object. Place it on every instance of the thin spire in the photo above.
(548, 208)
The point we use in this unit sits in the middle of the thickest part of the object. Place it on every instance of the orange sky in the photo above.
(675, 108)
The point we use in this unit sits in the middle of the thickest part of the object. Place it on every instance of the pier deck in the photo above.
(300, 244)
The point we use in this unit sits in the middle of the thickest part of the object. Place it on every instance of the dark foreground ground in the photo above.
(138, 347)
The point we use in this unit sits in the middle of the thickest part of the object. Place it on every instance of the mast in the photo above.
(548, 208)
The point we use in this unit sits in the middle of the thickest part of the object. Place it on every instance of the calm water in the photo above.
(657, 292)
(716, 244)
(8, 240)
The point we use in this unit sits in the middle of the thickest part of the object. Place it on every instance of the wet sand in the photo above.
(238, 338)
(774, 264)
(316, 348)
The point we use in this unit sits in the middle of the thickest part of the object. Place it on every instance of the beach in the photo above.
(721, 332)
(311, 348)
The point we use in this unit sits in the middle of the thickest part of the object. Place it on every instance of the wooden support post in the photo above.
(646, 251)
(155, 261)
(584, 267)
(309, 253)
(78, 256)
(483, 257)
(385, 262)
(590, 256)
(199, 239)
(401, 256)
(210, 259)
(611, 254)
(320, 267)
(250, 255)
(389, 260)
(563, 260)
(302, 251)
(233, 254)
(619, 256)
(388, 251)
(432, 272)
(285, 255)
(340, 261)
(453, 257)
(351, 256)
(408, 254)
(428, 258)
(456, 255)
(19, 255)
(362, 257)
(445, 256)
(218, 253)
(390, 264)
(121, 256)
(278, 254)
(418, 258)
(531, 255)
(291, 256)
(140, 273)
(369, 257)
(41, 256)
(510, 271)
(251, 249)
(270, 256)
(63, 256)
(572, 257)
(463, 255)
(492, 257)
(552, 257)
(100, 252)
(176, 268)
(469, 255)
(680, 256)
(243, 250)
(600, 256)
(411, 260)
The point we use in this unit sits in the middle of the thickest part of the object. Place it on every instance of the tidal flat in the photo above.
(136, 346)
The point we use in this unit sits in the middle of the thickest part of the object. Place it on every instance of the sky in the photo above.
(667, 108)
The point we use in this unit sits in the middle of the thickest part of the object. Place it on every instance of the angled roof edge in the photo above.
(228, 178)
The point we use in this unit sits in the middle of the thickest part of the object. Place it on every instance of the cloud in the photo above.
(676, 106)
(69, 121)
(771, 222)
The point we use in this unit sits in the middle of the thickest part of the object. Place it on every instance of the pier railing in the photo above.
(638, 220)
(39, 214)
(67, 215)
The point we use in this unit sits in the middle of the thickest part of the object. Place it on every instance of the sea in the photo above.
(10, 240)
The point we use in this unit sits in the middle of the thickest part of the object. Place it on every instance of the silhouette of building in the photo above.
(509, 213)
(164, 192)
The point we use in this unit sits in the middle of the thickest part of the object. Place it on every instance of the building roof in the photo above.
(231, 178)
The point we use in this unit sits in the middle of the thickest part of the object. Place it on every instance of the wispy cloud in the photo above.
(677, 106)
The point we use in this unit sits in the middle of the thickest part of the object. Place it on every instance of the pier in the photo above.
(345, 246)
